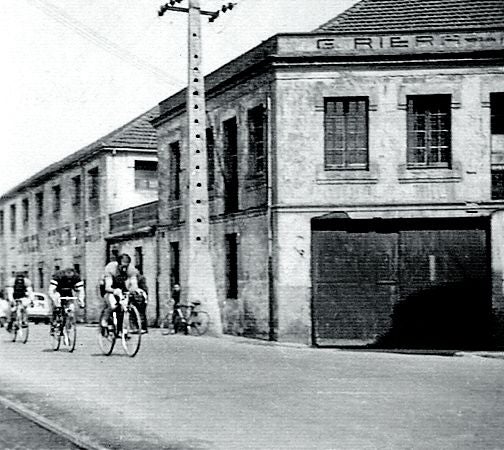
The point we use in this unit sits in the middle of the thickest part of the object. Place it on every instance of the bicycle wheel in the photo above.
(199, 322)
(24, 330)
(132, 331)
(166, 323)
(106, 338)
(14, 330)
(55, 334)
(70, 333)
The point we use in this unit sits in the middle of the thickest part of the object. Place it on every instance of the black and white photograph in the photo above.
(252, 224)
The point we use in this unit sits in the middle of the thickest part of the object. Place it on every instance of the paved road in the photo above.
(184, 392)
(16, 432)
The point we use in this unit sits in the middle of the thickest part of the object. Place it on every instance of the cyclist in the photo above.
(18, 288)
(119, 276)
(63, 284)
(178, 313)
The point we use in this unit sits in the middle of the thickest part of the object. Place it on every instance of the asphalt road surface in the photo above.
(185, 392)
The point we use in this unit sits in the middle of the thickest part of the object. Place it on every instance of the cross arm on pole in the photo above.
(166, 7)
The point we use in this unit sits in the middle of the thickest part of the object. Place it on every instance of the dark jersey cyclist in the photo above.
(63, 284)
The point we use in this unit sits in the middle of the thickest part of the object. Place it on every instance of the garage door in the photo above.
(401, 286)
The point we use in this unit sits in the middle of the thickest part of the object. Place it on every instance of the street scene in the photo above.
(186, 392)
(252, 224)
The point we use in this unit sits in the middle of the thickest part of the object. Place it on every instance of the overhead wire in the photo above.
(62, 17)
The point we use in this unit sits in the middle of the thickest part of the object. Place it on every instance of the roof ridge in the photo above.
(411, 15)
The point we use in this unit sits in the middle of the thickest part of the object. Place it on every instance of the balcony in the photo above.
(135, 218)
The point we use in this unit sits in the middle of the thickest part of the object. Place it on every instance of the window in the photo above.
(76, 191)
(429, 135)
(231, 166)
(56, 194)
(26, 211)
(146, 175)
(40, 272)
(346, 133)
(174, 263)
(232, 265)
(257, 140)
(498, 184)
(39, 205)
(13, 219)
(497, 112)
(2, 229)
(139, 259)
(175, 171)
(94, 186)
(210, 143)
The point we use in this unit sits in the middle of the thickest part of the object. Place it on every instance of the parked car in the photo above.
(4, 311)
(41, 310)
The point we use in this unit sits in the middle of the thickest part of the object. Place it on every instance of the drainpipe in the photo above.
(273, 320)
(158, 273)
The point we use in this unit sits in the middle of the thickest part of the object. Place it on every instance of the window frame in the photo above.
(143, 183)
(26, 211)
(428, 103)
(331, 149)
(232, 265)
(13, 218)
(175, 168)
(56, 200)
(210, 148)
(257, 126)
(76, 191)
(496, 113)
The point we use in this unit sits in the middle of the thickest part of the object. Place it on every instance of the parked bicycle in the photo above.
(20, 324)
(130, 332)
(188, 319)
(64, 327)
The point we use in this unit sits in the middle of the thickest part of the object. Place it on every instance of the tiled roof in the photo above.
(377, 16)
(136, 134)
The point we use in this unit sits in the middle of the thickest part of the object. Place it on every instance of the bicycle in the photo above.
(194, 321)
(64, 326)
(131, 333)
(20, 324)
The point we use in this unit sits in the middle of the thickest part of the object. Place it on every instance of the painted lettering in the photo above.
(450, 39)
(398, 41)
(425, 40)
(326, 44)
(363, 42)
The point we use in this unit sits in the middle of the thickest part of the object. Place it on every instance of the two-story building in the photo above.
(356, 179)
(60, 216)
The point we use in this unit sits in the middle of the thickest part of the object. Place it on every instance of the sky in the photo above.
(77, 69)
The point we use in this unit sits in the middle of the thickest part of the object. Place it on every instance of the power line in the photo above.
(106, 44)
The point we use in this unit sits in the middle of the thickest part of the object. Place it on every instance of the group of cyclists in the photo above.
(119, 276)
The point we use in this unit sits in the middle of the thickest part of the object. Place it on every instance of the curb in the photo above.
(81, 442)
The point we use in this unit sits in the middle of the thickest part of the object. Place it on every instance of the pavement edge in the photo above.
(50, 425)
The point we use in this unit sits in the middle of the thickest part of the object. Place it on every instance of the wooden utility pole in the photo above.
(199, 274)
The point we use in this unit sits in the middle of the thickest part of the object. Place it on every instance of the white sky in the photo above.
(75, 70)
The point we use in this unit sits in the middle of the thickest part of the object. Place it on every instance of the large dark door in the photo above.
(419, 284)
(445, 298)
(356, 285)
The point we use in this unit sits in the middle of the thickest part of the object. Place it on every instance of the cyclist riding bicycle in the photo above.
(18, 288)
(119, 276)
(63, 284)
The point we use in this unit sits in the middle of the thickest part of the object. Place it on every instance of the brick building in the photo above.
(356, 180)
(60, 216)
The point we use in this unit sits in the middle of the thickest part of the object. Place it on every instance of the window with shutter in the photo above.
(346, 133)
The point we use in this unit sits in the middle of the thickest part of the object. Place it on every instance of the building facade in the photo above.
(356, 180)
(60, 216)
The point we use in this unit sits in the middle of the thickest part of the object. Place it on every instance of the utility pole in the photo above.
(199, 274)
